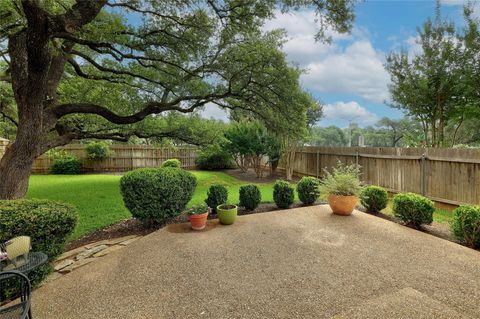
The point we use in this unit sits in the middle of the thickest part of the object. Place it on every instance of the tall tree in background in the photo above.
(425, 85)
(179, 57)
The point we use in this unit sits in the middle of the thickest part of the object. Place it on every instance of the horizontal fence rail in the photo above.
(124, 158)
(450, 176)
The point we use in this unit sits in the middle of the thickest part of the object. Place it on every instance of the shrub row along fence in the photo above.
(450, 176)
(124, 158)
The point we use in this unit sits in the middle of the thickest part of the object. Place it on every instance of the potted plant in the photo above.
(343, 187)
(198, 216)
(227, 213)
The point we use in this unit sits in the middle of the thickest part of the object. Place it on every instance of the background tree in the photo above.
(328, 136)
(179, 57)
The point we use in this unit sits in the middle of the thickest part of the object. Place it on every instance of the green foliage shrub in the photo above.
(216, 195)
(413, 209)
(155, 194)
(98, 151)
(283, 194)
(250, 197)
(374, 198)
(48, 223)
(214, 157)
(172, 163)
(344, 180)
(466, 225)
(69, 165)
(308, 189)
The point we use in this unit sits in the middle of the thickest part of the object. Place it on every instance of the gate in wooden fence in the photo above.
(124, 158)
(450, 176)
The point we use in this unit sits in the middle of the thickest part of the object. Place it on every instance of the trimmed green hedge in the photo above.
(413, 209)
(155, 194)
(308, 189)
(48, 223)
(283, 194)
(216, 195)
(69, 165)
(374, 199)
(250, 197)
(466, 225)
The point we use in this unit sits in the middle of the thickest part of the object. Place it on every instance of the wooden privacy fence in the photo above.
(124, 158)
(3, 146)
(450, 176)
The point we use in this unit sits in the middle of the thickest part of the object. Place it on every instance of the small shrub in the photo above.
(69, 165)
(374, 199)
(48, 223)
(344, 180)
(172, 163)
(283, 194)
(413, 209)
(155, 194)
(98, 151)
(214, 157)
(466, 225)
(308, 190)
(217, 195)
(250, 197)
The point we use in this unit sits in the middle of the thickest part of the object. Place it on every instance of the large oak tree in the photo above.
(161, 55)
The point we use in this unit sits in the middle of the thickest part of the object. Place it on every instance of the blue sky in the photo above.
(348, 75)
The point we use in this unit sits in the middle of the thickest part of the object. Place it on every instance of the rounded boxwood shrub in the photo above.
(216, 195)
(283, 194)
(374, 198)
(250, 197)
(466, 225)
(48, 223)
(172, 163)
(97, 151)
(155, 194)
(308, 190)
(69, 165)
(413, 209)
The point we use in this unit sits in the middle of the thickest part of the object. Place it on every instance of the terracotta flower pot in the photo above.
(342, 205)
(227, 213)
(198, 221)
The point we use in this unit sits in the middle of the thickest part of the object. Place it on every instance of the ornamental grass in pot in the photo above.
(198, 216)
(343, 187)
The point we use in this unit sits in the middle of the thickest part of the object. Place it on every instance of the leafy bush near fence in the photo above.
(48, 223)
(69, 165)
(466, 225)
(155, 194)
(214, 157)
(374, 199)
(216, 195)
(250, 197)
(172, 163)
(308, 189)
(283, 194)
(413, 209)
(98, 151)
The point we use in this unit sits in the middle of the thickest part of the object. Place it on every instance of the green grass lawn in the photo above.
(100, 204)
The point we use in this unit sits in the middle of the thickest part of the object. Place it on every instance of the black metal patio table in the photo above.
(34, 260)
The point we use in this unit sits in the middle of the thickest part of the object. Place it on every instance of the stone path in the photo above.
(81, 256)
(297, 263)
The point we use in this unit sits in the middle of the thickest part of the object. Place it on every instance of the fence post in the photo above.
(422, 174)
(356, 157)
(318, 164)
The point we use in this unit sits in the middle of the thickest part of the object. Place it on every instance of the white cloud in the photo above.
(212, 111)
(351, 112)
(356, 68)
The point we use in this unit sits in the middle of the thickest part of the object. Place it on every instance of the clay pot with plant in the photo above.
(343, 187)
(198, 216)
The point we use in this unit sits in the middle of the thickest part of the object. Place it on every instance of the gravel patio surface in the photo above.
(297, 263)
